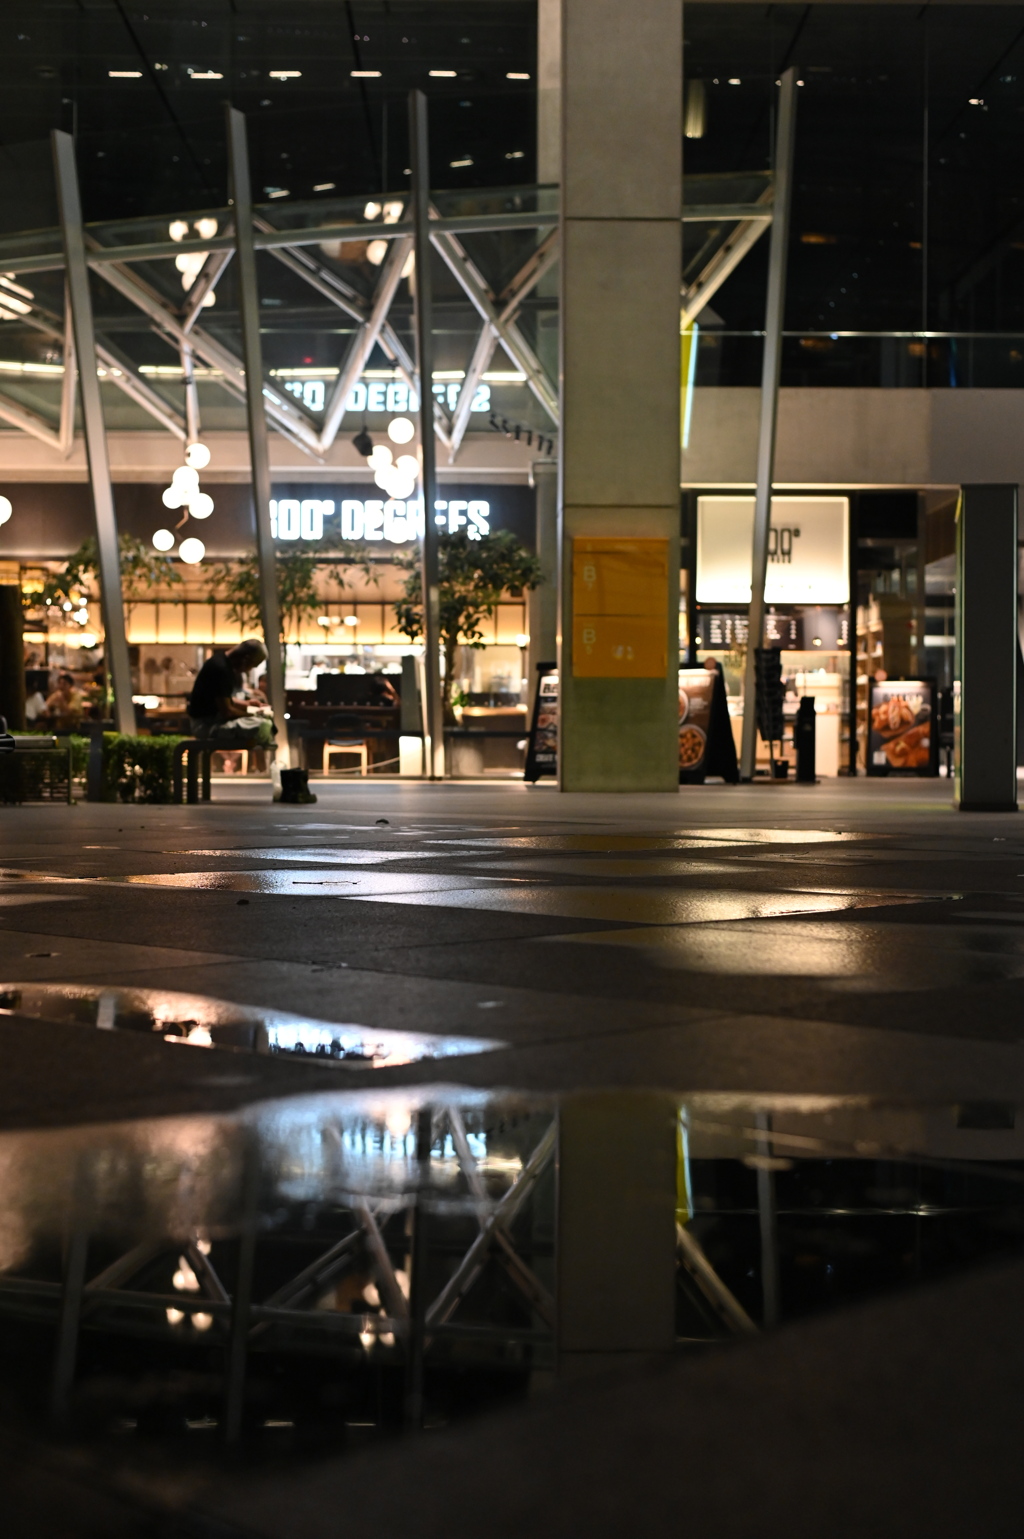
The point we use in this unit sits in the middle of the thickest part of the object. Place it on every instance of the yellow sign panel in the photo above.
(618, 647)
(619, 577)
(620, 608)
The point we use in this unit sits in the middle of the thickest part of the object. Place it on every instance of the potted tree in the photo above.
(474, 574)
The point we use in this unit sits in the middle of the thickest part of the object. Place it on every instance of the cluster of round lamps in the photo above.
(184, 492)
(398, 476)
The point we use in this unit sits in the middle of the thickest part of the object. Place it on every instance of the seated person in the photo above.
(214, 706)
(66, 706)
(35, 707)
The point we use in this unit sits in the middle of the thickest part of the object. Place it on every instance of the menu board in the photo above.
(706, 745)
(902, 729)
(542, 748)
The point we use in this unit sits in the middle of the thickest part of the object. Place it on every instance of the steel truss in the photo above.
(180, 328)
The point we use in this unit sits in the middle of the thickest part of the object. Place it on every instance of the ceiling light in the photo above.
(372, 210)
(324, 186)
(376, 251)
(197, 456)
(87, 639)
(5, 509)
(408, 464)
(276, 192)
(365, 74)
(124, 74)
(734, 81)
(285, 74)
(172, 497)
(380, 457)
(163, 539)
(16, 288)
(515, 154)
(393, 211)
(206, 74)
(186, 479)
(191, 551)
(201, 505)
(206, 229)
(177, 229)
(976, 101)
(443, 74)
(351, 620)
(517, 74)
(522, 640)
(401, 430)
(456, 164)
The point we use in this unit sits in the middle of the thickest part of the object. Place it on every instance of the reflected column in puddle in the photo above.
(616, 1230)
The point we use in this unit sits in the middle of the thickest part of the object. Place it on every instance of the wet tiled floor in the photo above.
(784, 1021)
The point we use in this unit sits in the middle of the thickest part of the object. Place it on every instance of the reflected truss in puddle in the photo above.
(330, 1253)
(196, 1020)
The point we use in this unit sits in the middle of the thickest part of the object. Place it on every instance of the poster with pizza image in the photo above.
(902, 731)
(696, 688)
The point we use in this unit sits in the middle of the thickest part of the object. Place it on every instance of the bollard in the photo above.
(804, 733)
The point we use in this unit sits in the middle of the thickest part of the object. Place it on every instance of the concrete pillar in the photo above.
(985, 688)
(616, 1230)
(620, 274)
(543, 601)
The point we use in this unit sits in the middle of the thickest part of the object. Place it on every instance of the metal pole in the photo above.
(771, 1310)
(770, 367)
(433, 723)
(249, 305)
(115, 643)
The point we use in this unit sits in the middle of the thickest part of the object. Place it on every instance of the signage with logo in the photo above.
(374, 519)
(542, 748)
(620, 601)
(808, 550)
(383, 395)
(301, 512)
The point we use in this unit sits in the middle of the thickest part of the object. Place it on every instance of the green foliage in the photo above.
(237, 584)
(142, 570)
(138, 769)
(473, 576)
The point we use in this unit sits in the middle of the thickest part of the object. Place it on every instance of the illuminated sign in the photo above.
(808, 550)
(381, 395)
(374, 520)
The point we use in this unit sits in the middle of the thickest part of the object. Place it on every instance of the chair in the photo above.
(344, 734)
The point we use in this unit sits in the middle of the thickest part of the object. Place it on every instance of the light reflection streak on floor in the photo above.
(859, 956)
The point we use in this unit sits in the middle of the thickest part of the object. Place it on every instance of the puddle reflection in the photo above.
(196, 1020)
(344, 1263)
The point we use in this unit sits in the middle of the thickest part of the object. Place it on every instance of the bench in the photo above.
(186, 763)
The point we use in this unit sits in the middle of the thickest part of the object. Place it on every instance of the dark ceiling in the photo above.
(153, 141)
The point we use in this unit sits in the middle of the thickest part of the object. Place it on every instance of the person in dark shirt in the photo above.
(213, 707)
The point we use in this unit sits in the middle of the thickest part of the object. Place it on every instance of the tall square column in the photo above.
(620, 275)
(987, 645)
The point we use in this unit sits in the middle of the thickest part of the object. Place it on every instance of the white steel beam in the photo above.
(30, 422)
(66, 437)
(506, 333)
(725, 261)
(525, 280)
(363, 342)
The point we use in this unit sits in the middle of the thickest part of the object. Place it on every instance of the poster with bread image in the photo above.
(901, 727)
